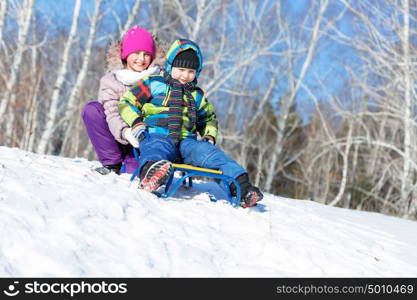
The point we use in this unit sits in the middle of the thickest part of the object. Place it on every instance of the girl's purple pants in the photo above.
(109, 151)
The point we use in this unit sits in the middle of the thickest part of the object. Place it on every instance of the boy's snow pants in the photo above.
(190, 151)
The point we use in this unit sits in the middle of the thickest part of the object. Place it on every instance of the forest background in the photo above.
(317, 99)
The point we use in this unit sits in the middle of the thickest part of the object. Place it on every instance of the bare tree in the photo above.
(407, 191)
(9, 96)
(285, 105)
(30, 114)
(131, 17)
(384, 45)
(3, 10)
(57, 90)
(75, 91)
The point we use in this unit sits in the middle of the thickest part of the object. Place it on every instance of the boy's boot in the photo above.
(105, 170)
(155, 174)
(249, 194)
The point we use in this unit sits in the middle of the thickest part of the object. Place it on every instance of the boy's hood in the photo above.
(114, 62)
(179, 46)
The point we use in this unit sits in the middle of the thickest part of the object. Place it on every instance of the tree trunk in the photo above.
(82, 74)
(285, 106)
(3, 10)
(53, 111)
(9, 96)
(407, 195)
(345, 156)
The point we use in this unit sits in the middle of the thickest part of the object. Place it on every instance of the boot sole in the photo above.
(156, 176)
(253, 200)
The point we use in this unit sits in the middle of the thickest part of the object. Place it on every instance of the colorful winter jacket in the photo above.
(117, 82)
(148, 101)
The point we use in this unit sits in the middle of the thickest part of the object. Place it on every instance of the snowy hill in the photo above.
(58, 218)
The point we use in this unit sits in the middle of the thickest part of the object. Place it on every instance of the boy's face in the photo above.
(183, 75)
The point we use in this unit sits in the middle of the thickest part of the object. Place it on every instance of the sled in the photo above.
(188, 172)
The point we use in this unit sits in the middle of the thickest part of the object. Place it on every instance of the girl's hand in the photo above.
(209, 139)
(128, 136)
(138, 131)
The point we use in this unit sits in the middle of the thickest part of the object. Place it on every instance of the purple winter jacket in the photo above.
(116, 82)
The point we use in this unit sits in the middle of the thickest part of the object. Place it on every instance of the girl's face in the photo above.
(138, 61)
(183, 75)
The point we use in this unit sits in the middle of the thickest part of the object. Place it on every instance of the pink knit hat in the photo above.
(137, 39)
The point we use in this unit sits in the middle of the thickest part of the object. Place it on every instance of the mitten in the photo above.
(128, 136)
(209, 139)
(138, 131)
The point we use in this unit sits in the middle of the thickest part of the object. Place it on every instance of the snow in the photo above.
(59, 218)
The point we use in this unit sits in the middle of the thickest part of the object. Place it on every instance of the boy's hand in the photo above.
(208, 138)
(138, 130)
(128, 136)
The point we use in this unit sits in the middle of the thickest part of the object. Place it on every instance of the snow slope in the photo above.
(59, 218)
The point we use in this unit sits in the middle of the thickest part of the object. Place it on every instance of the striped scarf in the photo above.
(176, 103)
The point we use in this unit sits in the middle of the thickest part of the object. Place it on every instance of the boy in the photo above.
(172, 109)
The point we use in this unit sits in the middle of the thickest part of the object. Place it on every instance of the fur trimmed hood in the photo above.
(114, 62)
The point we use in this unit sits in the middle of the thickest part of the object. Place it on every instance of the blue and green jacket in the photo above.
(148, 101)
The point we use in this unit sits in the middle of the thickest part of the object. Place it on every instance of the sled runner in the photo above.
(188, 172)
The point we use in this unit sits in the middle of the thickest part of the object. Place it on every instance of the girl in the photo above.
(135, 57)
